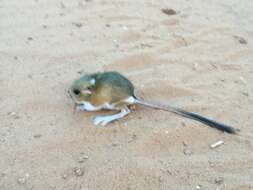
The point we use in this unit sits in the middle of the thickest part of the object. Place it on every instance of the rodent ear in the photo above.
(90, 88)
(93, 82)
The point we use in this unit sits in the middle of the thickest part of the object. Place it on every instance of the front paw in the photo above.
(80, 107)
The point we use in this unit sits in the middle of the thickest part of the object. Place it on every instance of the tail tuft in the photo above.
(209, 122)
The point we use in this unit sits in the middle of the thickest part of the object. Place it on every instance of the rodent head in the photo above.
(82, 89)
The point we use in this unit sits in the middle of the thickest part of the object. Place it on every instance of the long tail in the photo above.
(194, 116)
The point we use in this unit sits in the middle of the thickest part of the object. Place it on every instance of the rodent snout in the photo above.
(69, 93)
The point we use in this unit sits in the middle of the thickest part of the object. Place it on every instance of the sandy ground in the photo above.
(200, 59)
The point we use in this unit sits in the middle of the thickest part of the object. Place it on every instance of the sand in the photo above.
(199, 59)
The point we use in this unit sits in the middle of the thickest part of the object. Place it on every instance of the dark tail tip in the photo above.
(226, 128)
(211, 123)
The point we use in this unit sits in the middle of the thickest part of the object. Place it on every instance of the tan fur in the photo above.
(101, 95)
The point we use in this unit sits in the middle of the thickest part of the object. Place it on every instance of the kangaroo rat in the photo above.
(112, 91)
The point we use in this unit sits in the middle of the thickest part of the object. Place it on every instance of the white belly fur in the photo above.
(89, 107)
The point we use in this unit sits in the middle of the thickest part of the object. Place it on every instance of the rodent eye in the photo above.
(89, 87)
(76, 91)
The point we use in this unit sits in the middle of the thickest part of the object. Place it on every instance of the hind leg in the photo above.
(104, 120)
